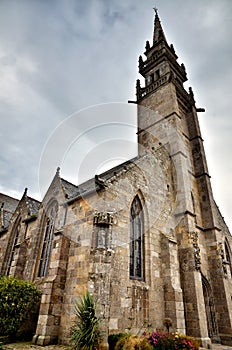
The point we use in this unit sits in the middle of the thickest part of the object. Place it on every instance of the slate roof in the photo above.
(72, 192)
(33, 206)
(118, 168)
(96, 183)
(8, 205)
(69, 188)
(6, 218)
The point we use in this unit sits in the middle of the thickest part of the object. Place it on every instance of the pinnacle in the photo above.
(158, 30)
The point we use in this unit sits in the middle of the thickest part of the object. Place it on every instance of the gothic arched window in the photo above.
(16, 231)
(136, 239)
(47, 241)
(228, 256)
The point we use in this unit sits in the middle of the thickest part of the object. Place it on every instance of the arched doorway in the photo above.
(210, 311)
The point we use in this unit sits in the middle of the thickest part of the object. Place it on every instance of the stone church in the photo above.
(146, 238)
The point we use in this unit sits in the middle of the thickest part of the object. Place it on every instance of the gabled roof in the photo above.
(9, 205)
(32, 206)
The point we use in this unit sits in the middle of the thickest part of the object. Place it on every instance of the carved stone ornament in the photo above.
(102, 233)
(223, 260)
(187, 265)
(193, 236)
(103, 218)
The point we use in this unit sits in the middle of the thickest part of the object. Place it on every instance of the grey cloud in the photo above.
(57, 57)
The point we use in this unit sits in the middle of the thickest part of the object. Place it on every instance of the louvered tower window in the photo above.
(136, 239)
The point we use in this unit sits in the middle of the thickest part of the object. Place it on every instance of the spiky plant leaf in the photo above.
(85, 333)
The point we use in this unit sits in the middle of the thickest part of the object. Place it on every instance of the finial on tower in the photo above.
(158, 30)
(156, 11)
(25, 191)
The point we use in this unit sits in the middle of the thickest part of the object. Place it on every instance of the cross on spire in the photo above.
(156, 10)
(158, 31)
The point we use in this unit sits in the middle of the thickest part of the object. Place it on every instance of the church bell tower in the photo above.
(160, 66)
(167, 117)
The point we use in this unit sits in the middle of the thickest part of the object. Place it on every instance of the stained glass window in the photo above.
(136, 239)
(47, 242)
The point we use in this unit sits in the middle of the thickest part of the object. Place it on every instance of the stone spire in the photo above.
(160, 65)
(158, 30)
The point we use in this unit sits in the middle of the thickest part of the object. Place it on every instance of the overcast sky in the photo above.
(60, 57)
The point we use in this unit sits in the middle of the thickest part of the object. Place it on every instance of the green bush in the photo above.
(155, 341)
(166, 341)
(132, 342)
(18, 299)
(85, 333)
(113, 339)
(122, 341)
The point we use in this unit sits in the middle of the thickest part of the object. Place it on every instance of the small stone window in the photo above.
(156, 75)
(136, 239)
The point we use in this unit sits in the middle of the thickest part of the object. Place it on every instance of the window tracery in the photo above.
(47, 240)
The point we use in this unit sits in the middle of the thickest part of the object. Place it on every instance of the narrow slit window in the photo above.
(136, 239)
(156, 75)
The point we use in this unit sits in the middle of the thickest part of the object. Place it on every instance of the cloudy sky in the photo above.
(59, 59)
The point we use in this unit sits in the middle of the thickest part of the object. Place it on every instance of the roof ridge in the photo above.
(68, 182)
(120, 165)
(36, 200)
(6, 195)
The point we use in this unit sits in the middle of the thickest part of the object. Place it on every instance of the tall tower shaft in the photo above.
(167, 115)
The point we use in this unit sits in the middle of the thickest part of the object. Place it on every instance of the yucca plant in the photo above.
(85, 333)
